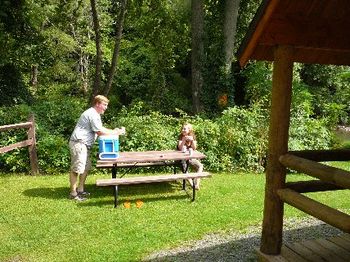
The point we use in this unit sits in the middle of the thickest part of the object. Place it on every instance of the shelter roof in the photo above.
(319, 31)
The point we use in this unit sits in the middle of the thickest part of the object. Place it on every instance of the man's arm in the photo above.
(107, 131)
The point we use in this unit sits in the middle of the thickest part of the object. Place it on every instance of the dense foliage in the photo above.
(235, 140)
(48, 68)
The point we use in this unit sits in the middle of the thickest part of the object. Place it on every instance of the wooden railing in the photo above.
(330, 178)
(30, 142)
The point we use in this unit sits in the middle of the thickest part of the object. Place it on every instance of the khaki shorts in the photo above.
(80, 157)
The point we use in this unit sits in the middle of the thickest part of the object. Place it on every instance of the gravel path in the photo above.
(241, 247)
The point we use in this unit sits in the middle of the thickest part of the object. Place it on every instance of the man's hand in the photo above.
(120, 131)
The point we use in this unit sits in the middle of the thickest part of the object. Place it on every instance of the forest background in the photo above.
(161, 63)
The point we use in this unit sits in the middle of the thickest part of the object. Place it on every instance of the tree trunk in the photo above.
(197, 53)
(84, 72)
(230, 25)
(34, 76)
(118, 38)
(98, 65)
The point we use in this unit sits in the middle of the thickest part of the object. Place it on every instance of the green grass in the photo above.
(39, 223)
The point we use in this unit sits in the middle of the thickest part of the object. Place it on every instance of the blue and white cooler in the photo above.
(108, 147)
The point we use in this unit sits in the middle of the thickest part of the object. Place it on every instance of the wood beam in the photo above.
(325, 213)
(16, 145)
(256, 30)
(312, 186)
(13, 126)
(278, 145)
(325, 173)
(323, 155)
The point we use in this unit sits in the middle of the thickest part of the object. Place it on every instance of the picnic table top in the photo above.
(151, 156)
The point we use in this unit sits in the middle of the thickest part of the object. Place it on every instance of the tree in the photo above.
(118, 37)
(230, 25)
(197, 25)
(98, 60)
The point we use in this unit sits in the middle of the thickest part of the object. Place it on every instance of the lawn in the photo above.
(39, 223)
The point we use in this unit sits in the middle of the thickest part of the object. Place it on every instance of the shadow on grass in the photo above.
(148, 193)
(237, 247)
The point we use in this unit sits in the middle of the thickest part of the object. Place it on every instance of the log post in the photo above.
(271, 241)
(32, 148)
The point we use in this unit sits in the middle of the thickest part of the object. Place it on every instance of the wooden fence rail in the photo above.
(330, 178)
(30, 142)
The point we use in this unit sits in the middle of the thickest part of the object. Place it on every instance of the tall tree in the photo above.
(118, 38)
(230, 25)
(197, 25)
(98, 64)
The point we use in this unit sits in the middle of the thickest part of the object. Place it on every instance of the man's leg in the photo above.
(83, 176)
(73, 180)
(78, 162)
(82, 180)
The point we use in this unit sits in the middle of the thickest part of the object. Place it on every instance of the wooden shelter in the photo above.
(305, 31)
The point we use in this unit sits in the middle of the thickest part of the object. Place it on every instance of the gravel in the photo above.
(233, 246)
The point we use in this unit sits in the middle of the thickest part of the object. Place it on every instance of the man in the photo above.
(87, 129)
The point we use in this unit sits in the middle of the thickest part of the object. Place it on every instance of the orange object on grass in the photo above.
(139, 203)
(127, 204)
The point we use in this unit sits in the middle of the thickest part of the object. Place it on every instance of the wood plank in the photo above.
(152, 156)
(325, 213)
(290, 255)
(149, 179)
(346, 237)
(339, 251)
(326, 254)
(304, 252)
(145, 164)
(270, 258)
(340, 242)
(14, 126)
(256, 29)
(16, 145)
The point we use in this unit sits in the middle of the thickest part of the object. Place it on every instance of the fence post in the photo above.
(32, 148)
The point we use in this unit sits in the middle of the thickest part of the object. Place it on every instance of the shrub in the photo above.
(235, 140)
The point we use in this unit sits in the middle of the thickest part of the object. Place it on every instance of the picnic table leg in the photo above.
(194, 190)
(115, 189)
(114, 171)
(115, 196)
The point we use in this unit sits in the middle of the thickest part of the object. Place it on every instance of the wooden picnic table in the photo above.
(148, 159)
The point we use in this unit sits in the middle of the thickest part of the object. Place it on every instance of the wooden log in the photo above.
(14, 126)
(311, 186)
(16, 145)
(323, 155)
(271, 240)
(325, 173)
(32, 147)
(325, 213)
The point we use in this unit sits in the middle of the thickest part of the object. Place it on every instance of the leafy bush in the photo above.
(235, 140)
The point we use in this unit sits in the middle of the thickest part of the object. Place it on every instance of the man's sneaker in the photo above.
(83, 194)
(77, 198)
